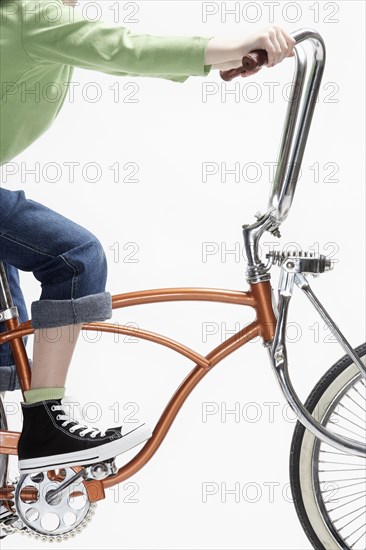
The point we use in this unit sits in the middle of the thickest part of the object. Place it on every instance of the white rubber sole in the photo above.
(89, 456)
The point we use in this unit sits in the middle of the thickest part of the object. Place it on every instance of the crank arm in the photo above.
(56, 493)
(98, 470)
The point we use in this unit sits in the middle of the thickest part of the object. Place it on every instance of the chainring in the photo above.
(56, 521)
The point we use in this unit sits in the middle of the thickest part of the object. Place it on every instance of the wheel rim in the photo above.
(339, 479)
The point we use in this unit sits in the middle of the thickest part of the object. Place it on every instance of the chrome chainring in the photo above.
(56, 521)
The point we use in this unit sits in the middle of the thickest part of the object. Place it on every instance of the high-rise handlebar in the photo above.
(296, 127)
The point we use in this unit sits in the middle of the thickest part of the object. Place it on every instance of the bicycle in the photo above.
(342, 387)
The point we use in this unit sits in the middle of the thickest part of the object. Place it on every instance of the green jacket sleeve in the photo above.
(56, 33)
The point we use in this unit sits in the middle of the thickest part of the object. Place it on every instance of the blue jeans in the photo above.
(66, 258)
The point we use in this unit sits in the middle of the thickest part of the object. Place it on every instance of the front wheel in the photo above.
(329, 486)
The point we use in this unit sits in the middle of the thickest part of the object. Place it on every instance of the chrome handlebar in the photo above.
(294, 136)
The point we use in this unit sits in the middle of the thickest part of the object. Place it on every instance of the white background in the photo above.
(168, 215)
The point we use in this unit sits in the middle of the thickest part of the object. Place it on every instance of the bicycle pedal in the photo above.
(101, 470)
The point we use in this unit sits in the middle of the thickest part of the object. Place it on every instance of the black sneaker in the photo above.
(51, 438)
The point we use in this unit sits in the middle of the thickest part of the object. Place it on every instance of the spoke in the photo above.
(346, 496)
(346, 470)
(348, 420)
(351, 412)
(344, 479)
(343, 463)
(343, 486)
(345, 504)
(343, 428)
(335, 452)
(356, 541)
(358, 391)
(355, 402)
(351, 521)
(355, 531)
(349, 513)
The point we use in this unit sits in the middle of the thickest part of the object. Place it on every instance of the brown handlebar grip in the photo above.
(253, 60)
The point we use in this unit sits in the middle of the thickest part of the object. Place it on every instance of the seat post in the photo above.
(6, 299)
(10, 316)
(7, 308)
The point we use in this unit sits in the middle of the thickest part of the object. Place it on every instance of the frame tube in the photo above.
(258, 297)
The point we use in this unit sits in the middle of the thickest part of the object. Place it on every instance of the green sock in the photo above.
(41, 394)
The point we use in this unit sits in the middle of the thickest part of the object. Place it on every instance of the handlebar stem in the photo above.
(256, 271)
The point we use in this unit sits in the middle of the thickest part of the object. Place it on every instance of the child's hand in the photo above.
(275, 40)
(225, 54)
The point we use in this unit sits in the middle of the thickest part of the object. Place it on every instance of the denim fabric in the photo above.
(8, 374)
(9, 380)
(66, 258)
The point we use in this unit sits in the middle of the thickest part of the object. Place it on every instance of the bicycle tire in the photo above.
(303, 444)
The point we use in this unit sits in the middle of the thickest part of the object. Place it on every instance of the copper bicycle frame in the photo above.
(259, 297)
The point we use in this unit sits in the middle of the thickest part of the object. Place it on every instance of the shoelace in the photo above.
(72, 414)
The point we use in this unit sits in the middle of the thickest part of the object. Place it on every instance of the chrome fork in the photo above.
(291, 274)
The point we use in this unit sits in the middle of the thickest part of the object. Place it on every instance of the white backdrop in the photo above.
(163, 224)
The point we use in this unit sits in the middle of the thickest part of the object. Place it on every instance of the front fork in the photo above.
(293, 267)
(292, 273)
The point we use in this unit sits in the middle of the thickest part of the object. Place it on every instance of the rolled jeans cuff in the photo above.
(9, 380)
(58, 313)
